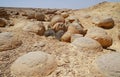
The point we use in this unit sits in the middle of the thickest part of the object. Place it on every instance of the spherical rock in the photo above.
(109, 64)
(49, 32)
(64, 14)
(35, 27)
(59, 26)
(75, 36)
(30, 14)
(71, 19)
(59, 34)
(87, 44)
(77, 28)
(119, 34)
(100, 35)
(106, 23)
(56, 19)
(39, 16)
(9, 41)
(34, 64)
(66, 37)
(2, 23)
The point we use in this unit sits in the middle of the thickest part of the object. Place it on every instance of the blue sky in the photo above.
(74, 4)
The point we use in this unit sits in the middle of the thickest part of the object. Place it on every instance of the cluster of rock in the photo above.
(65, 28)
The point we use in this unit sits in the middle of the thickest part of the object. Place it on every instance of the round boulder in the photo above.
(8, 41)
(39, 16)
(87, 44)
(33, 64)
(100, 35)
(59, 26)
(106, 22)
(2, 23)
(64, 14)
(56, 19)
(66, 37)
(35, 27)
(109, 64)
(75, 36)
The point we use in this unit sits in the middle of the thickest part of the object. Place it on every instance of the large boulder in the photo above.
(56, 19)
(8, 41)
(109, 64)
(106, 22)
(77, 28)
(100, 35)
(75, 36)
(59, 26)
(66, 37)
(65, 14)
(39, 16)
(35, 27)
(34, 64)
(2, 23)
(87, 44)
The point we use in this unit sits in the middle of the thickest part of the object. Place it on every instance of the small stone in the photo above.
(109, 64)
(34, 64)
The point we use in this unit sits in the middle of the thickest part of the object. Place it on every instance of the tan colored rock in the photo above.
(2, 23)
(87, 44)
(56, 19)
(66, 37)
(35, 27)
(75, 36)
(106, 23)
(73, 28)
(64, 14)
(76, 26)
(9, 41)
(109, 64)
(59, 26)
(71, 19)
(119, 34)
(34, 64)
(30, 14)
(39, 16)
(100, 35)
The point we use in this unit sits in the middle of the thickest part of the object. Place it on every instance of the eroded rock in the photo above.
(87, 44)
(34, 64)
(9, 41)
(109, 64)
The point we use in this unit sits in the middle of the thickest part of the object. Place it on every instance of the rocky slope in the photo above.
(25, 30)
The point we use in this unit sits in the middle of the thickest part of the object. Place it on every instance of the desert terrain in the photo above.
(78, 42)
